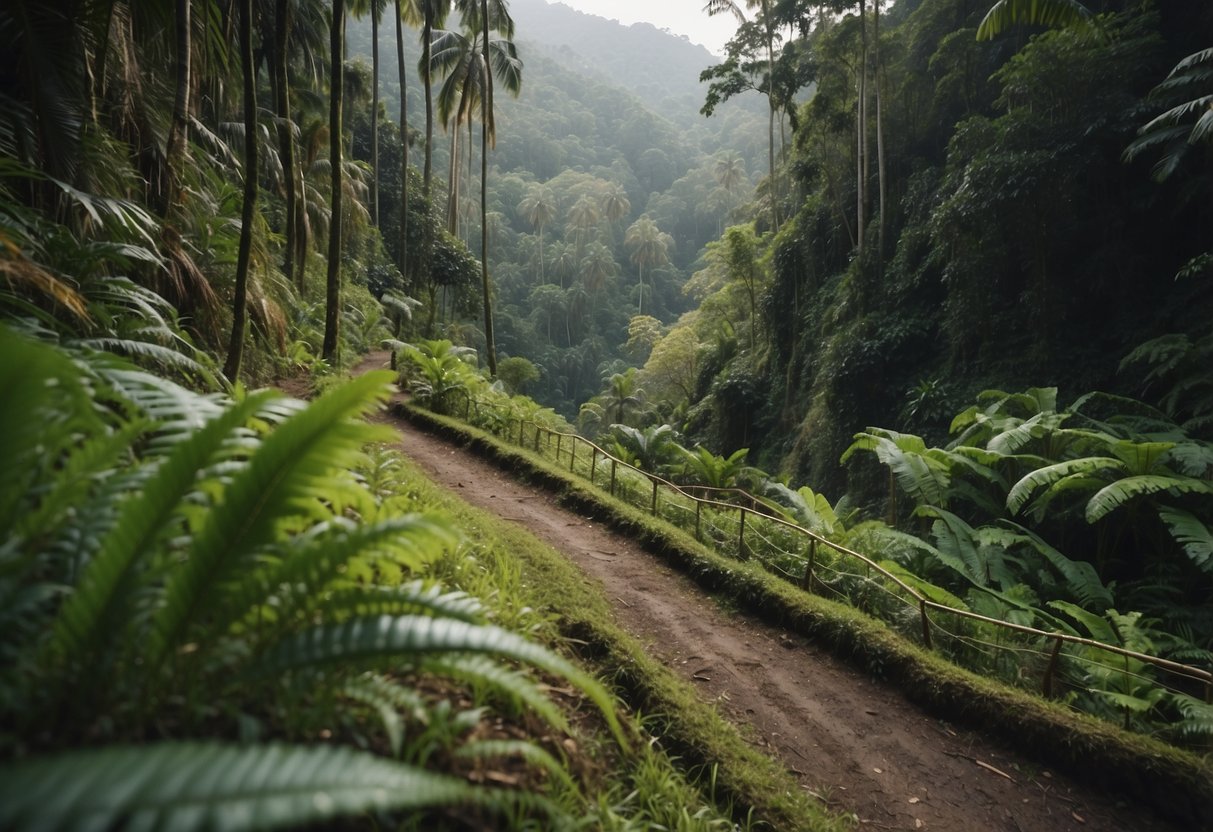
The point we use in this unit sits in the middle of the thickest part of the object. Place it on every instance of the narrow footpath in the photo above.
(859, 746)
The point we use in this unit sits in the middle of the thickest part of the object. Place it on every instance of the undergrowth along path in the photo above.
(860, 746)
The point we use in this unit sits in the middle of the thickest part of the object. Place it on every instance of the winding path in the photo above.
(858, 745)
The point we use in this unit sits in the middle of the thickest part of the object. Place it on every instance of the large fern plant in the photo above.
(176, 565)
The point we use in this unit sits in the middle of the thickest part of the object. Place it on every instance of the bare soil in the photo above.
(857, 744)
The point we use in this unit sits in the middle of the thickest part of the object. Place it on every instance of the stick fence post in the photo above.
(572, 454)
(653, 510)
(811, 566)
(612, 477)
(593, 463)
(926, 624)
(698, 509)
(1051, 669)
(741, 535)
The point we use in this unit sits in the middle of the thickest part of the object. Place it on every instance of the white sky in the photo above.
(682, 17)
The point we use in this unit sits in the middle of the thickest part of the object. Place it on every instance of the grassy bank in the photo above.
(1176, 784)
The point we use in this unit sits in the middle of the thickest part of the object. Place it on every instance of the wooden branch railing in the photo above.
(531, 433)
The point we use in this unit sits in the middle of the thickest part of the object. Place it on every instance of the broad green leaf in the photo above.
(1120, 492)
(1191, 533)
(1023, 490)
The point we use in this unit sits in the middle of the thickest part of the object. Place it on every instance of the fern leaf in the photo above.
(1111, 497)
(529, 752)
(1191, 533)
(388, 698)
(413, 636)
(203, 786)
(1197, 719)
(1082, 581)
(410, 599)
(507, 683)
(102, 596)
(286, 477)
(313, 560)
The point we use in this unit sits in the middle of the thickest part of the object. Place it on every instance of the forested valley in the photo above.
(903, 305)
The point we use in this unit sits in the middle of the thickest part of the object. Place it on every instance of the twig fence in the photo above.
(728, 517)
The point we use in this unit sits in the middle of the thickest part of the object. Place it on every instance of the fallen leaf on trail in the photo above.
(878, 771)
(918, 824)
(913, 800)
(1078, 817)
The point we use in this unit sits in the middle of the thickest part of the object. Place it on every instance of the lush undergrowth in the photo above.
(235, 613)
(1177, 783)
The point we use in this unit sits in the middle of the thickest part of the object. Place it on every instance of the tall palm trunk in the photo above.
(452, 189)
(286, 141)
(861, 129)
(374, 192)
(774, 195)
(174, 154)
(486, 108)
(880, 156)
(332, 301)
(427, 35)
(235, 350)
(402, 237)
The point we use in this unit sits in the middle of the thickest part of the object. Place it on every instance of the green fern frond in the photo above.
(206, 786)
(413, 636)
(414, 598)
(289, 475)
(312, 560)
(507, 683)
(1082, 581)
(1197, 719)
(388, 698)
(531, 753)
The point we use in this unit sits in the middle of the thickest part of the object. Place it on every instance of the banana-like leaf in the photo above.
(1022, 491)
(414, 636)
(1111, 497)
(287, 477)
(185, 786)
(1053, 13)
(1191, 533)
(1096, 626)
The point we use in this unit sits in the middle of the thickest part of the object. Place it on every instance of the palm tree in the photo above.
(615, 204)
(649, 246)
(236, 346)
(539, 209)
(622, 393)
(597, 267)
(433, 15)
(374, 8)
(583, 216)
(766, 21)
(406, 10)
(332, 304)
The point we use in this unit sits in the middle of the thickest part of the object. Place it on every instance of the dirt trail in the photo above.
(857, 744)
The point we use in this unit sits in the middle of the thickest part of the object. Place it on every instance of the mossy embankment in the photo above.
(1174, 783)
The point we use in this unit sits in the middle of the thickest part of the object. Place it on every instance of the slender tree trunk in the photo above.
(861, 129)
(235, 349)
(332, 302)
(402, 238)
(174, 154)
(286, 141)
(640, 303)
(452, 187)
(374, 192)
(427, 34)
(880, 156)
(486, 107)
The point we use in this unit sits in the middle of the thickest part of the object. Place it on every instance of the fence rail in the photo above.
(727, 516)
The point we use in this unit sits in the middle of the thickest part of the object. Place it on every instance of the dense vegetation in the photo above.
(896, 214)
